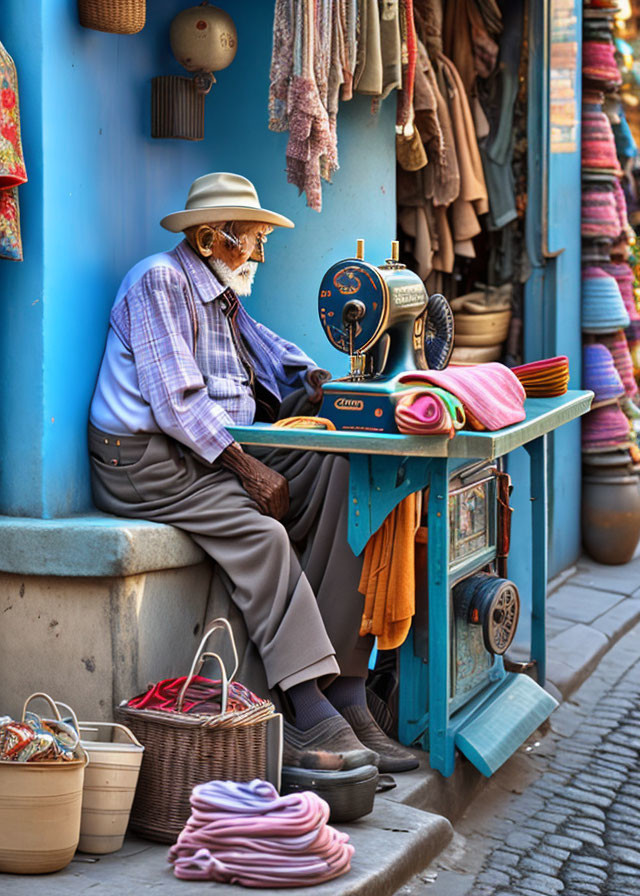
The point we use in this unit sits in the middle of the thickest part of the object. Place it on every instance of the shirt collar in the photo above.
(205, 282)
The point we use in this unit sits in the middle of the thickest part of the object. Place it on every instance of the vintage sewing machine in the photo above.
(382, 317)
(456, 688)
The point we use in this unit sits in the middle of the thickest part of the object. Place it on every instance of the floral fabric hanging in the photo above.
(12, 169)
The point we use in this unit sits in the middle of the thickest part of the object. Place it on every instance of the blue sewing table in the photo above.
(384, 469)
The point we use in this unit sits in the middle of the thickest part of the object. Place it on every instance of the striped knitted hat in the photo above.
(599, 214)
(598, 142)
(599, 64)
(623, 275)
(603, 310)
(604, 427)
(599, 373)
(619, 348)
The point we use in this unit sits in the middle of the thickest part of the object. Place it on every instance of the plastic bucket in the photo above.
(109, 787)
(40, 805)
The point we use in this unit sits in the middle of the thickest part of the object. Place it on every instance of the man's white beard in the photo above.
(240, 280)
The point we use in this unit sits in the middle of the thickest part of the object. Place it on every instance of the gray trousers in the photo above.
(301, 604)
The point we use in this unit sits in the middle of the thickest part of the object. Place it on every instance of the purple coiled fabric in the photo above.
(247, 834)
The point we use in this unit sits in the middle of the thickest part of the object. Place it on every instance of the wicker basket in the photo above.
(115, 16)
(185, 749)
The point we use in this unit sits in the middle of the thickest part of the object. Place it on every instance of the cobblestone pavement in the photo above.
(563, 815)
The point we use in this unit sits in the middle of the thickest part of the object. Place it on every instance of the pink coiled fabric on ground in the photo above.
(247, 834)
(491, 394)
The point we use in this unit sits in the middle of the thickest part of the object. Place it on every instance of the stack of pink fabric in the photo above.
(491, 395)
(246, 834)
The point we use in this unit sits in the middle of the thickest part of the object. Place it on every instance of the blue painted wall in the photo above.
(98, 186)
(21, 287)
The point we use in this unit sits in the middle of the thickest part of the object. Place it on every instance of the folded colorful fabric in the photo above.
(246, 834)
(202, 696)
(428, 411)
(492, 396)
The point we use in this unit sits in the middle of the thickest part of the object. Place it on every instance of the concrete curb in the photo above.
(392, 844)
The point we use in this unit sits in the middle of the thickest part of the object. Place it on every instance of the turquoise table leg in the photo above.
(441, 736)
(537, 451)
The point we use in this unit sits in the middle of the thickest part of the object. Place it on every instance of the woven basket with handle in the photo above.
(184, 749)
(115, 16)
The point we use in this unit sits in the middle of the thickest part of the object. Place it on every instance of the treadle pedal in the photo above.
(504, 722)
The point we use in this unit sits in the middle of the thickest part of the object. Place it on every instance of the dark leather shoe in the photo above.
(393, 757)
(331, 744)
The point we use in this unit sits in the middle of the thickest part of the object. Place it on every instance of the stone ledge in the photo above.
(94, 545)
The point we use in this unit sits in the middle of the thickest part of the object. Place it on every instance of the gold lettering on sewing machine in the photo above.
(408, 295)
(349, 404)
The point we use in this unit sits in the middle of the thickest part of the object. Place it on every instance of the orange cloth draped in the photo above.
(388, 576)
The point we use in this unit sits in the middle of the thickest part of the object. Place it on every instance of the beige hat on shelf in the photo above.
(219, 197)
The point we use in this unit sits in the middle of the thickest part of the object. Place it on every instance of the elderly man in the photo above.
(183, 361)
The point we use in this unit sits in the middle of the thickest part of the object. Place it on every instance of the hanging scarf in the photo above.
(310, 50)
(12, 170)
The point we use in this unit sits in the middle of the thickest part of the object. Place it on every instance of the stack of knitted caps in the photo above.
(608, 286)
(606, 427)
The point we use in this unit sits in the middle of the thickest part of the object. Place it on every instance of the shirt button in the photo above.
(106, 441)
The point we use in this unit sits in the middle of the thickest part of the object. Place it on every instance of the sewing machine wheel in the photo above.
(494, 603)
(438, 334)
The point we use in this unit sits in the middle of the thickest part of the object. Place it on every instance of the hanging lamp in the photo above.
(204, 40)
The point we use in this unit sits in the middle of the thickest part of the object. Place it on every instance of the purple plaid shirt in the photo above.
(156, 377)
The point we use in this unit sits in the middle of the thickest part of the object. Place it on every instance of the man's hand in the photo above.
(316, 378)
(267, 488)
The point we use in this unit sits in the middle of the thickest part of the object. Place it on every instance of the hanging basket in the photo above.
(114, 16)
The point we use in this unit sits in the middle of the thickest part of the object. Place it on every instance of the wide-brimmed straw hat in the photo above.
(218, 197)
